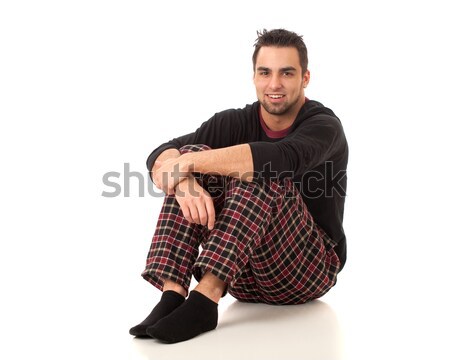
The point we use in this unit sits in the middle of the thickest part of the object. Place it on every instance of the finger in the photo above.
(194, 213)
(202, 213)
(187, 213)
(211, 213)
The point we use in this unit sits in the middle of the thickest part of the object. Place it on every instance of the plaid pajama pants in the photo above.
(264, 245)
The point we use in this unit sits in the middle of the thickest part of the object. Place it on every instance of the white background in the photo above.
(87, 86)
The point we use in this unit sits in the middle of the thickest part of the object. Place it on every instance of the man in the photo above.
(261, 190)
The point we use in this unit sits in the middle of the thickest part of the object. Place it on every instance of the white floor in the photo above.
(246, 330)
(94, 325)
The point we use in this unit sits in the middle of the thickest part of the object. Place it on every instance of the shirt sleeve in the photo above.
(313, 142)
(224, 129)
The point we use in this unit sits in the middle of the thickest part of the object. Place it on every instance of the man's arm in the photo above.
(235, 161)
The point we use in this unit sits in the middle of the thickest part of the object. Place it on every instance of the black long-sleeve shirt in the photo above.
(313, 151)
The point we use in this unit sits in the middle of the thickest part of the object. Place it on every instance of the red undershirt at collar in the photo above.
(271, 133)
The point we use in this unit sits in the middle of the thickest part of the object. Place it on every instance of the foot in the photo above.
(197, 315)
(170, 300)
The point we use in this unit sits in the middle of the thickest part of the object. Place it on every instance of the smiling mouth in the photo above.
(275, 96)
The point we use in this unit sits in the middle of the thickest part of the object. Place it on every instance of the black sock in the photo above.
(197, 315)
(170, 300)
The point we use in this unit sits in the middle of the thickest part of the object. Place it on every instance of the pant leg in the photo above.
(174, 247)
(175, 243)
(266, 246)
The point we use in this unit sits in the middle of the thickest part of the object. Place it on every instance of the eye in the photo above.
(263, 73)
(288, 74)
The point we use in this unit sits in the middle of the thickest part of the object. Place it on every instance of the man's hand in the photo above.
(168, 173)
(195, 202)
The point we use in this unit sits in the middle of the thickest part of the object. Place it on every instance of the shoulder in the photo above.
(237, 118)
(319, 122)
(247, 111)
(315, 112)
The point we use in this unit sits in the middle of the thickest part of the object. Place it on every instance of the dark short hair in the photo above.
(281, 38)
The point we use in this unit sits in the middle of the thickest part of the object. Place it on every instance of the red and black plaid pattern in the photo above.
(264, 245)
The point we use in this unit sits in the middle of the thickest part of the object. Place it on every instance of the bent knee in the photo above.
(193, 148)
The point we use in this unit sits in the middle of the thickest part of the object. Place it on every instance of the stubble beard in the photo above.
(280, 109)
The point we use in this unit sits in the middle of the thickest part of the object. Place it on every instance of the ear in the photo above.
(306, 77)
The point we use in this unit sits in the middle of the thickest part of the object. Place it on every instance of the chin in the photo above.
(275, 110)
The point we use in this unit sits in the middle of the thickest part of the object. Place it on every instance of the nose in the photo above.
(275, 82)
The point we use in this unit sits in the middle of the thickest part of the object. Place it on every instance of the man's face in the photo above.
(278, 80)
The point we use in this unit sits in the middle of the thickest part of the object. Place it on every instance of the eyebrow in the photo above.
(288, 68)
(284, 69)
